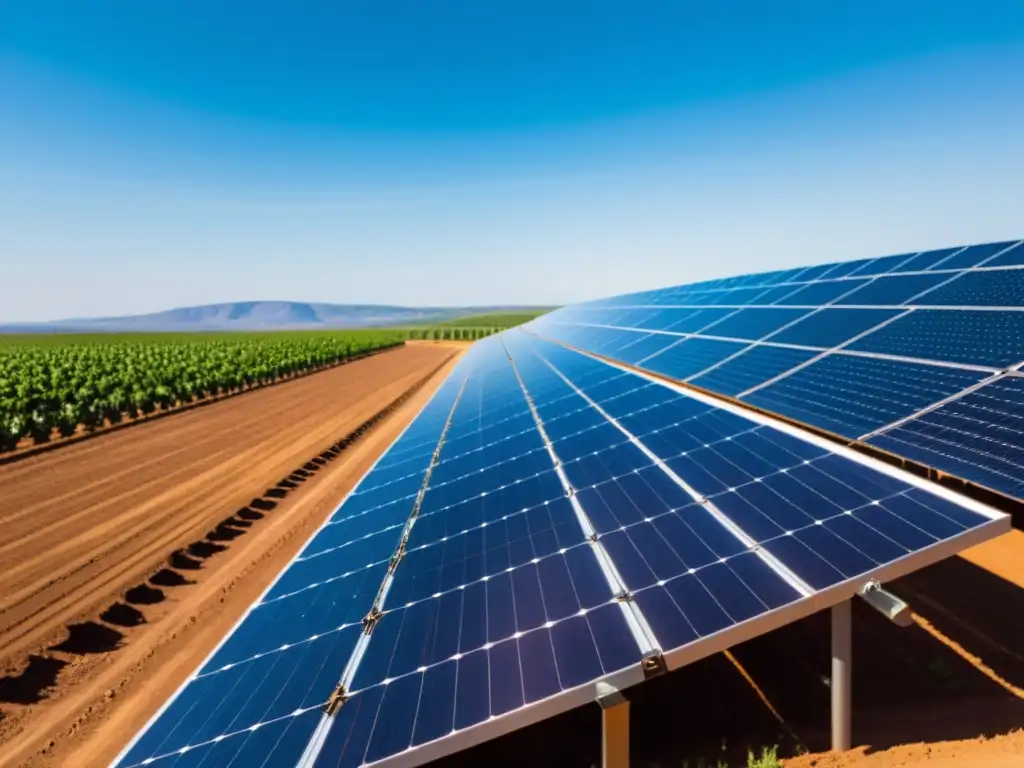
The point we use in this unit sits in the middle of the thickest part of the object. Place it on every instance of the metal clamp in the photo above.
(338, 697)
(370, 620)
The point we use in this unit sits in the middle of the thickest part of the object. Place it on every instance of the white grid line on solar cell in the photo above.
(352, 666)
(255, 604)
(931, 407)
(447, 461)
(970, 439)
(749, 543)
(938, 264)
(967, 454)
(840, 349)
(817, 441)
(805, 364)
(758, 342)
(871, 262)
(218, 739)
(851, 399)
(433, 596)
(442, 510)
(638, 624)
(565, 415)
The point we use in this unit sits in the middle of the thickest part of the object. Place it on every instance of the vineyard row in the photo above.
(53, 388)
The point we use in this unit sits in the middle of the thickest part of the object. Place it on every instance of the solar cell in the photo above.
(644, 347)
(888, 264)
(606, 340)
(814, 294)
(742, 296)
(812, 273)
(1012, 256)
(848, 268)
(975, 337)
(850, 396)
(874, 266)
(927, 260)
(979, 437)
(990, 288)
(691, 356)
(893, 290)
(753, 324)
(831, 327)
(690, 321)
(751, 367)
(774, 295)
(973, 255)
(784, 276)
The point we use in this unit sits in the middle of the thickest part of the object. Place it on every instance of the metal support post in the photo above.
(842, 652)
(614, 730)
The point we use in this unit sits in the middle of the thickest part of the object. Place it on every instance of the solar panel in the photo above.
(548, 522)
(978, 436)
(869, 347)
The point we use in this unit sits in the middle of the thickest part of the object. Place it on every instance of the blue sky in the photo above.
(161, 154)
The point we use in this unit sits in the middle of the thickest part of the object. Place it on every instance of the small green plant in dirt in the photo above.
(943, 674)
(769, 758)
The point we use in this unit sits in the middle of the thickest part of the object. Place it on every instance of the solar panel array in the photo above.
(547, 522)
(919, 354)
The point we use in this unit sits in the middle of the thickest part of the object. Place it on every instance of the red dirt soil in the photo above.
(89, 532)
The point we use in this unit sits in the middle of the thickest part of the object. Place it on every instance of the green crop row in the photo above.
(60, 384)
(448, 333)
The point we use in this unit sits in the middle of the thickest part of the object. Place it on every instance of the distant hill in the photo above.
(262, 316)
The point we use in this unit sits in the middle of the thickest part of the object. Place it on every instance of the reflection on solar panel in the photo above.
(879, 350)
(552, 522)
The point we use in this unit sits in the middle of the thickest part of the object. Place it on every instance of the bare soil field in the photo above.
(120, 551)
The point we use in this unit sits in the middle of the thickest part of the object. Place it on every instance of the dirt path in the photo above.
(89, 523)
